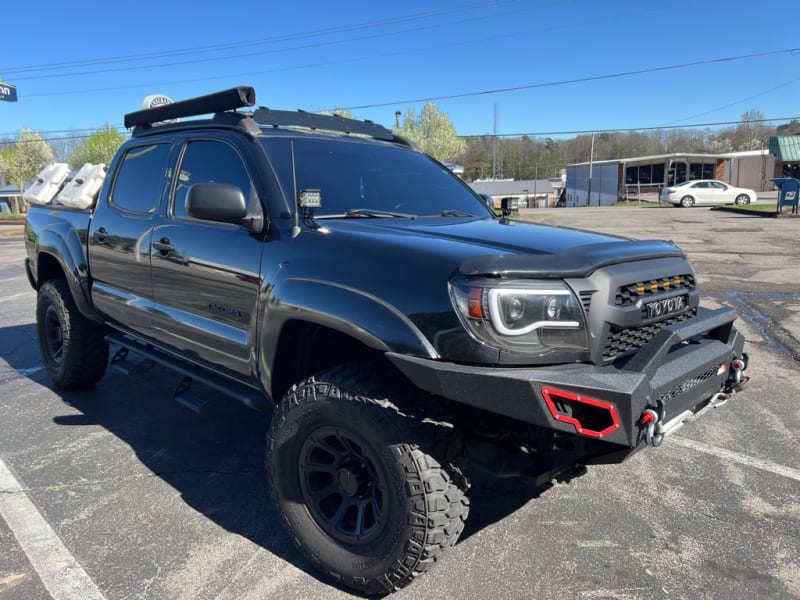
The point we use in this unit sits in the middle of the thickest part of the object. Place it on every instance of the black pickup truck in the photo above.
(325, 268)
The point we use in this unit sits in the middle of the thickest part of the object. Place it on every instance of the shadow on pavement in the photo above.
(214, 459)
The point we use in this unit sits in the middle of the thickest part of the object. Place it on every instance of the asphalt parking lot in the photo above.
(149, 500)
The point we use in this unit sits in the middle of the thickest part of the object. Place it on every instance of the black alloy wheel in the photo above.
(342, 486)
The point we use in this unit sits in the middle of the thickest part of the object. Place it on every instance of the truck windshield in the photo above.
(358, 179)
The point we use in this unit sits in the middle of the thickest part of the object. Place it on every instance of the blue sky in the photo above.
(78, 65)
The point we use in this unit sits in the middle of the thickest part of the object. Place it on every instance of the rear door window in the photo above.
(140, 178)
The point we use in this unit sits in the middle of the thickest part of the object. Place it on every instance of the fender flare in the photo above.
(62, 243)
(353, 312)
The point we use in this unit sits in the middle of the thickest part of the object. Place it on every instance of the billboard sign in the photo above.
(8, 92)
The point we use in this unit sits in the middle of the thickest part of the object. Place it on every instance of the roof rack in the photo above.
(230, 99)
(301, 118)
(243, 96)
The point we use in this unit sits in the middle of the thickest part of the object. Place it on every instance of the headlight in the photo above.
(529, 317)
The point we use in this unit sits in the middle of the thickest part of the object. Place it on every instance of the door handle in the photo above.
(100, 235)
(163, 245)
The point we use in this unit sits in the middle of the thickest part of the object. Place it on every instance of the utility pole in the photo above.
(495, 166)
(591, 160)
(397, 120)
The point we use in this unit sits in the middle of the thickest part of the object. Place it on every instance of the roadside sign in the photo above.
(8, 92)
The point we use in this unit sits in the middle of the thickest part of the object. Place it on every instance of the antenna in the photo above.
(296, 228)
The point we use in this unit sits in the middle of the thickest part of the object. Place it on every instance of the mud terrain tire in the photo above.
(363, 489)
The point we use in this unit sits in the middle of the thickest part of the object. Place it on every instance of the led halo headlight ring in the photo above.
(495, 300)
(527, 317)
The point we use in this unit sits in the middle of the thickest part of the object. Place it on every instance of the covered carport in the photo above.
(786, 149)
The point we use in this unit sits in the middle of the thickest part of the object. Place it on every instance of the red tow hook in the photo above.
(653, 427)
(738, 369)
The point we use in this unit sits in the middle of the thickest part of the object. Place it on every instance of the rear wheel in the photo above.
(742, 199)
(74, 349)
(687, 201)
(365, 491)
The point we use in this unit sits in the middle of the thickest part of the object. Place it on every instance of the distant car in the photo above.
(706, 191)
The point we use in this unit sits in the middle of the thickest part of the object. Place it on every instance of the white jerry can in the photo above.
(47, 183)
(81, 190)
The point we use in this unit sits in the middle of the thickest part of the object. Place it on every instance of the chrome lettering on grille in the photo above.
(667, 306)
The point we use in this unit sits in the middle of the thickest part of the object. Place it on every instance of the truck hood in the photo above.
(504, 247)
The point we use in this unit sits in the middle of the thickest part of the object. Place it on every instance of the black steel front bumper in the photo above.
(676, 372)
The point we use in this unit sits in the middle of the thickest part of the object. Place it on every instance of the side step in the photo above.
(122, 363)
(184, 397)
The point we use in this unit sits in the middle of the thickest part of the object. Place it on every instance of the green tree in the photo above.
(23, 159)
(790, 128)
(98, 148)
(433, 132)
(753, 133)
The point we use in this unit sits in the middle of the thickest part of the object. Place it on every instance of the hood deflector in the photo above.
(580, 261)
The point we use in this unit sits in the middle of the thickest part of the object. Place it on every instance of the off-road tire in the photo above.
(74, 349)
(412, 497)
(687, 202)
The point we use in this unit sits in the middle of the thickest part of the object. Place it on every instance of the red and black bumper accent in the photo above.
(678, 372)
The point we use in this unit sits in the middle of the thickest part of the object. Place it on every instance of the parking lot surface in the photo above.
(149, 500)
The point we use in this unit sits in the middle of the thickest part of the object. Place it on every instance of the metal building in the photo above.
(530, 193)
(602, 183)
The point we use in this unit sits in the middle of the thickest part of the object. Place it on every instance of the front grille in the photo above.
(687, 385)
(630, 293)
(620, 341)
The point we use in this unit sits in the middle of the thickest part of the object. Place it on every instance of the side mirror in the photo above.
(216, 202)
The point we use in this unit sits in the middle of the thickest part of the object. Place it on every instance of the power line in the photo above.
(406, 51)
(580, 79)
(713, 110)
(52, 133)
(274, 50)
(626, 129)
(256, 42)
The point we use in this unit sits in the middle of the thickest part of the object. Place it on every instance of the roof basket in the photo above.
(301, 118)
(230, 99)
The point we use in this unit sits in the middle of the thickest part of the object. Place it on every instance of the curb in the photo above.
(754, 213)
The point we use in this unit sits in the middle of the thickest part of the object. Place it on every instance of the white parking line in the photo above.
(15, 296)
(742, 459)
(61, 574)
(29, 371)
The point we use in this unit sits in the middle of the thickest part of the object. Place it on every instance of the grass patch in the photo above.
(759, 208)
(8, 216)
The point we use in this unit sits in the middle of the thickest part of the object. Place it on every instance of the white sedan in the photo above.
(706, 191)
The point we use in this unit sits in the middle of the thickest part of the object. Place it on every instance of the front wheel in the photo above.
(742, 199)
(687, 201)
(363, 489)
(74, 350)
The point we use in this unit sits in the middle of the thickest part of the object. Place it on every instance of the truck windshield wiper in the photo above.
(455, 213)
(369, 213)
